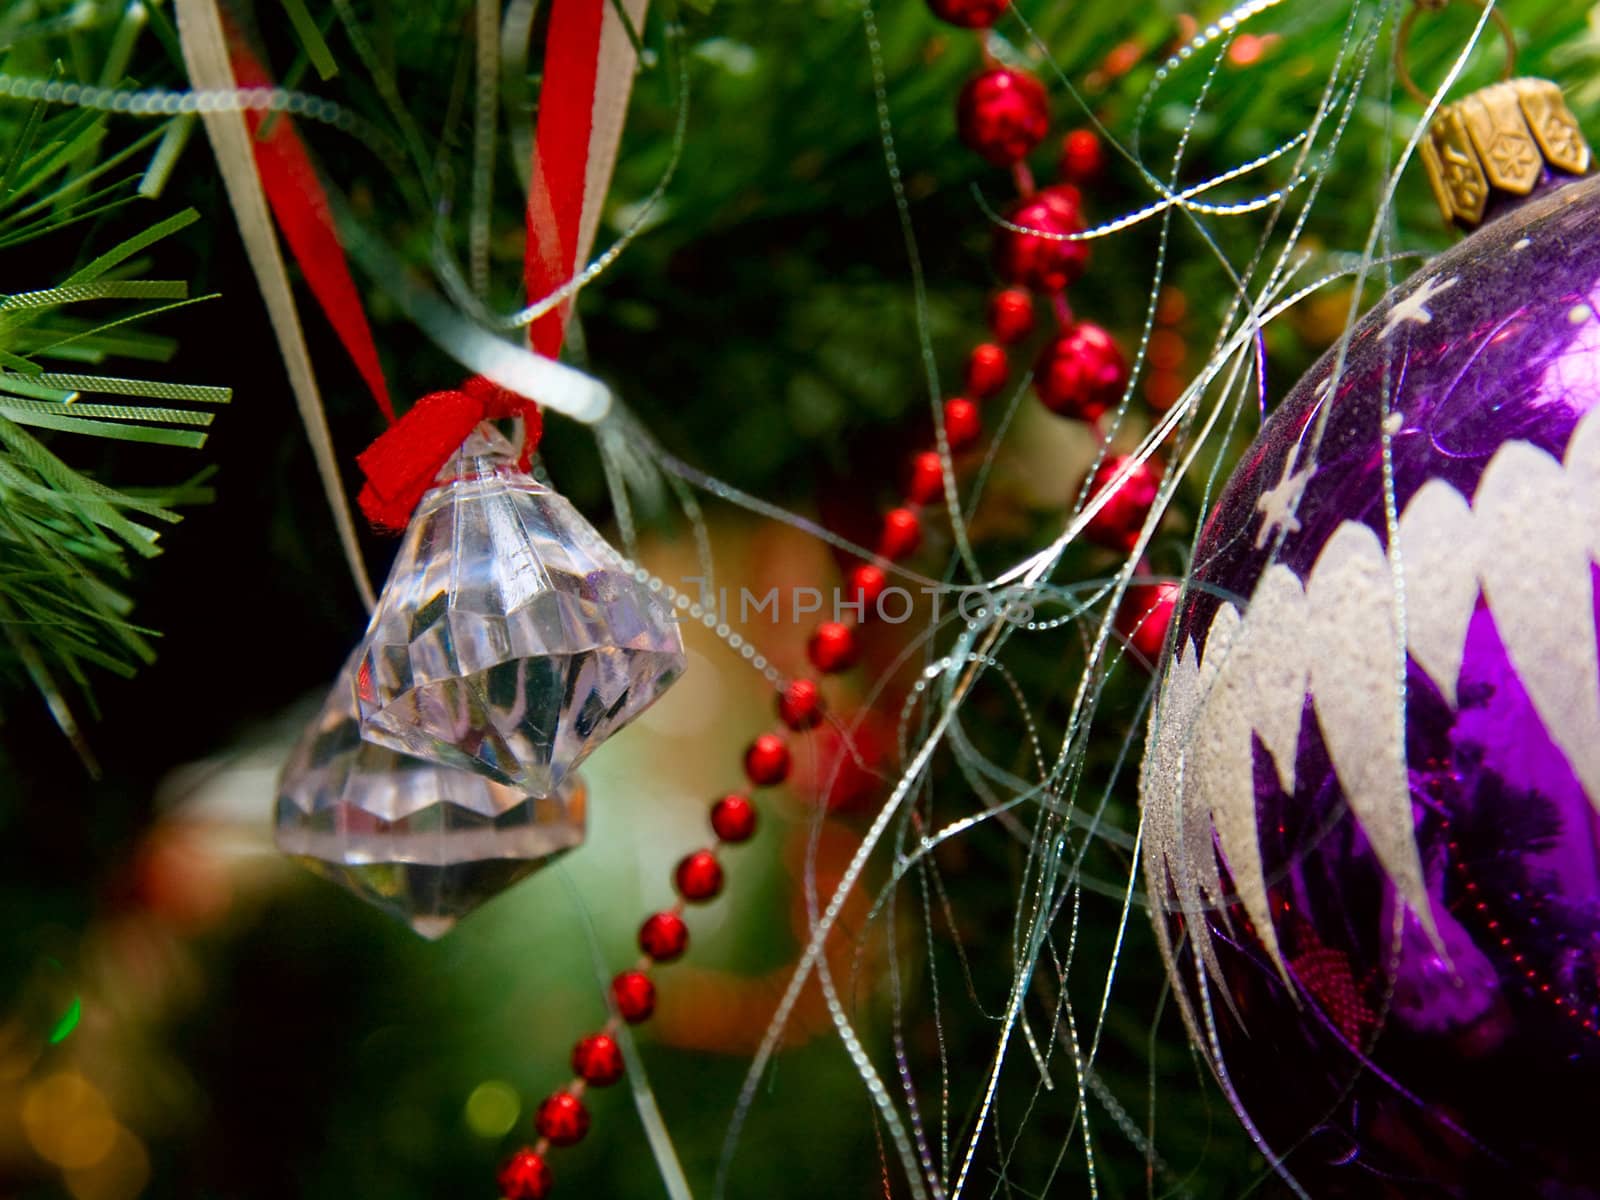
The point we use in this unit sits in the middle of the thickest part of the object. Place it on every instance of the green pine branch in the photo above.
(68, 540)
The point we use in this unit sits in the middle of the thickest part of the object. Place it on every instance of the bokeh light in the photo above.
(68, 1122)
(492, 1109)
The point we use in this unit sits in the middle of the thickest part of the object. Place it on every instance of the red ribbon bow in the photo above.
(402, 464)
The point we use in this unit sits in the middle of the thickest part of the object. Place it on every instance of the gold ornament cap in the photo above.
(1501, 140)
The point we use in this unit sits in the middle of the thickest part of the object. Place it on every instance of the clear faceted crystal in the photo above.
(425, 843)
(509, 639)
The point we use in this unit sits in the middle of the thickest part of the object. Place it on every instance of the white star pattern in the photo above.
(1523, 547)
(1414, 308)
(1276, 505)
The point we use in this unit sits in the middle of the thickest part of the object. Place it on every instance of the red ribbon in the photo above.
(402, 464)
(561, 160)
(301, 208)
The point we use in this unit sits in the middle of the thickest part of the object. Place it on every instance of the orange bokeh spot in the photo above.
(1171, 306)
(1122, 59)
(1162, 389)
(1249, 49)
(68, 1122)
(1167, 350)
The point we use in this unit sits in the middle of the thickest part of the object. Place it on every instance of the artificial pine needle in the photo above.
(311, 39)
(67, 541)
(154, 180)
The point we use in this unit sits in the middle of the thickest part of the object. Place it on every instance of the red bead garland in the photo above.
(597, 1060)
(664, 936)
(1119, 521)
(733, 818)
(800, 705)
(634, 995)
(524, 1176)
(699, 876)
(987, 369)
(562, 1119)
(867, 583)
(832, 647)
(1144, 616)
(962, 425)
(1081, 374)
(766, 762)
(1045, 264)
(1011, 315)
(1002, 114)
(926, 483)
(969, 14)
(902, 534)
(1083, 156)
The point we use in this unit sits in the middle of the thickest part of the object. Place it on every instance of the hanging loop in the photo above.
(1403, 37)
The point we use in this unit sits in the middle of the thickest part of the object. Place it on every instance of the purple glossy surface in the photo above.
(1395, 1072)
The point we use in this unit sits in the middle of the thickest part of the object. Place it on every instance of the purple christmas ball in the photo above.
(1373, 768)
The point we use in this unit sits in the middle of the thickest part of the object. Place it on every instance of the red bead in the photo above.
(1118, 523)
(733, 818)
(987, 369)
(962, 426)
(635, 996)
(1081, 374)
(525, 1176)
(901, 535)
(1143, 619)
(562, 1118)
(832, 647)
(969, 14)
(597, 1060)
(699, 876)
(1083, 156)
(867, 583)
(800, 705)
(927, 479)
(1045, 264)
(1011, 315)
(766, 761)
(1002, 114)
(664, 936)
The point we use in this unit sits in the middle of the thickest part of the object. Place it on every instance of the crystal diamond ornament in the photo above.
(510, 638)
(423, 842)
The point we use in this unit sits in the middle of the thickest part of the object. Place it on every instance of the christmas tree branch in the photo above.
(68, 540)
